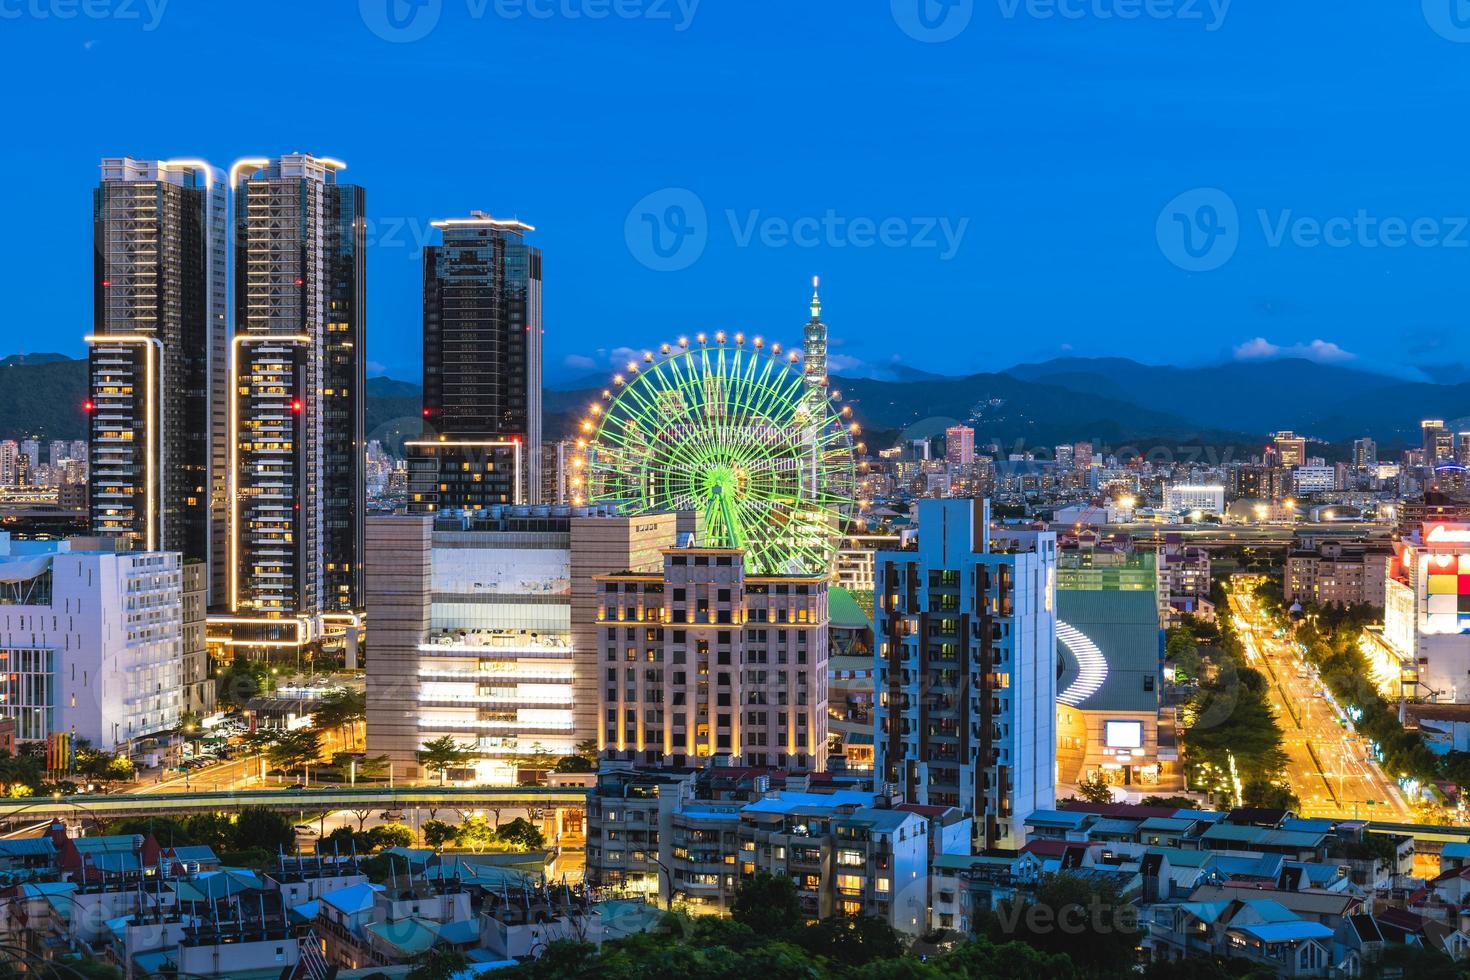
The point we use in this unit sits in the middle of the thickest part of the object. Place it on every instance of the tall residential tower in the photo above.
(158, 389)
(966, 670)
(297, 408)
(482, 369)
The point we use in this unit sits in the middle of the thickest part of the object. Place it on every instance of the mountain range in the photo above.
(1111, 400)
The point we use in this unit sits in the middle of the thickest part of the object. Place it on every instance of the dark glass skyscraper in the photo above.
(157, 396)
(482, 369)
(297, 411)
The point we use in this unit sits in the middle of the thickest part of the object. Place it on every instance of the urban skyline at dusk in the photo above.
(1013, 184)
(676, 488)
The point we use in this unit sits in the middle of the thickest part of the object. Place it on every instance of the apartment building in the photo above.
(966, 664)
(701, 659)
(848, 850)
(1337, 572)
(90, 640)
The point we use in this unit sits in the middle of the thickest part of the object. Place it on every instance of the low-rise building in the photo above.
(1337, 572)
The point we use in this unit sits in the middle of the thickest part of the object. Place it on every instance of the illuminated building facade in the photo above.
(158, 383)
(481, 442)
(91, 640)
(478, 631)
(701, 659)
(297, 408)
(1427, 610)
(966, 665)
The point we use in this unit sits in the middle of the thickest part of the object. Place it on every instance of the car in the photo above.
(297, 786)
(391, 816)
(306, 829)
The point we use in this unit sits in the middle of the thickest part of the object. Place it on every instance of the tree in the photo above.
(213, 829)
(390, 835)
(587, 749)
(437, 833)
(574, 763)
(443, 754)
(256, 827)
(239, 682)
(439, 963)
(851, 941)
(1071, 916)
(521, 833)
(296, 749)
(342, 709)
(1095, 789)
(1269, 795)
(475, 833)
(767, 903)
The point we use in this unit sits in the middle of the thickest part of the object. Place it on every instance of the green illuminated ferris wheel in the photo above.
(737, 433)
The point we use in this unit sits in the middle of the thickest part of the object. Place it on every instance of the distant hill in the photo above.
(1115, 400)
(43, 395)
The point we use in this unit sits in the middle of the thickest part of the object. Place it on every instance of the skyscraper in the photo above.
(158, 358)
(1291, 449)
(814, 355)
(959, 445)
(1438, 442)
(1365, 455)
(297, 412)
(481, 444)
(965, 670)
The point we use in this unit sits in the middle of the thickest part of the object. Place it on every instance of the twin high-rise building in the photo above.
(238, 443)
(159, 350)
(481, 443)
(297, 409)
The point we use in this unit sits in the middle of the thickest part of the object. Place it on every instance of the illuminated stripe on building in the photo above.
(1092, 666)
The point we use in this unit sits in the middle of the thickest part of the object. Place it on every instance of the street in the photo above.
(1328, 768)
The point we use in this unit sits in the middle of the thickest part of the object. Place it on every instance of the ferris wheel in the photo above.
(740, 435)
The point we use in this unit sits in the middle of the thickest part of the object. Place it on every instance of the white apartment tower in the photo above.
(965, 670)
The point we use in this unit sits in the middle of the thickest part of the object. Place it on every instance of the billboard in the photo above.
(1123, 734)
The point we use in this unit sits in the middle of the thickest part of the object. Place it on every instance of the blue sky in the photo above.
(1019, 191)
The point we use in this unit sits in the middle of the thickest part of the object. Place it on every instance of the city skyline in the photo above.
(980, 254)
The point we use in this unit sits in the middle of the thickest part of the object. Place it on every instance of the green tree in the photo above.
(1095, 789)
(522, 834)
(443, 754)
(851, 941)
(1071, 916)
(389, 835)
(256, 827)
(297, 749)
(437, 833)
(1272, 796)
(475, 833)
(214, 830)
(767, 903)
(439, 963)
(341, 709)
(239, 682)
(574, 763)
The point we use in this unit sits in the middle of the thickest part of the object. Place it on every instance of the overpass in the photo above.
(301, 800)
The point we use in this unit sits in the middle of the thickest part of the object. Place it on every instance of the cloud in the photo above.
(579, 362)
(1321, 351)
(376, 368)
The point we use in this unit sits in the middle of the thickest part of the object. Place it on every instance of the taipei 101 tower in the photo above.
(814, 346)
